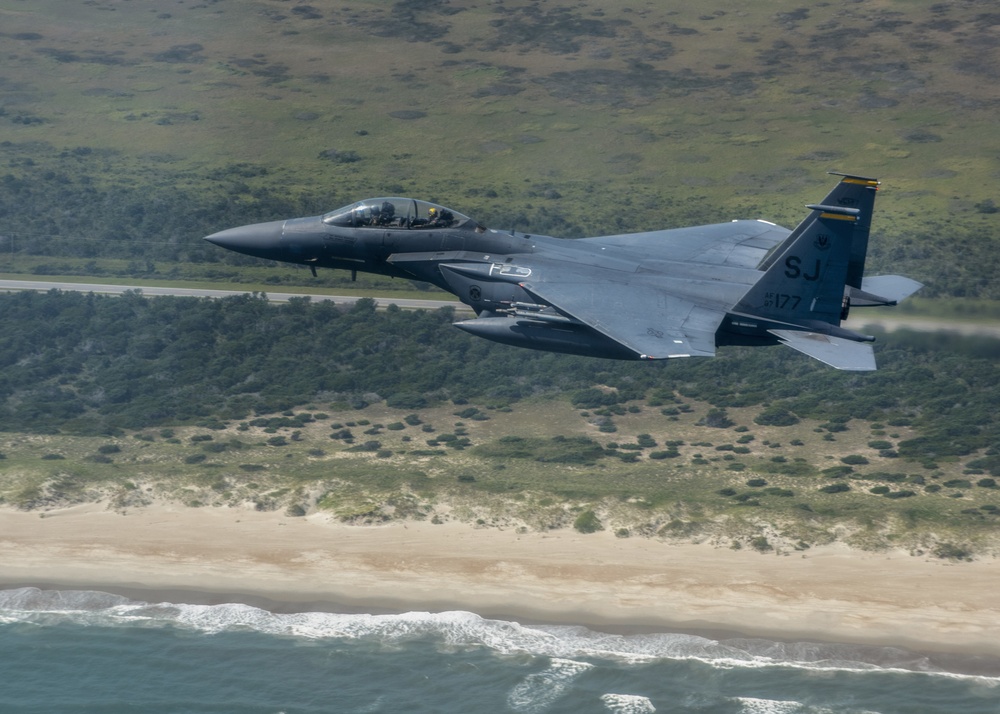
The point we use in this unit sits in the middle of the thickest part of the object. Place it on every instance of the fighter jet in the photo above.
(679, 292)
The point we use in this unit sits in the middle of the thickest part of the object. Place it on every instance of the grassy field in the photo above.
(628, 113)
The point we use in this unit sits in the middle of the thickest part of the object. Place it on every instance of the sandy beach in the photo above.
(830, 594)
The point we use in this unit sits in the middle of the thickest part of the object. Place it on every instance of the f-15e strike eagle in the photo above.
(680, 292)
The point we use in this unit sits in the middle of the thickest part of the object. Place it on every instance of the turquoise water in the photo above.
(72, 651)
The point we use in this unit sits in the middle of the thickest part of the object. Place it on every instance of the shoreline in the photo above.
(828, 594)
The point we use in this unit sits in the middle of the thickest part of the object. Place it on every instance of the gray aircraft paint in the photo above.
(663, 294)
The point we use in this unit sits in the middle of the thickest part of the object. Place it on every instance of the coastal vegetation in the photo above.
(128, 134)
(373, 415)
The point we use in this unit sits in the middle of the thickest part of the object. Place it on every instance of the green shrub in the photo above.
(958, 483)
(717, 419)
(776, 416)
(837, 471)
(854, 460)
(588, 522)
(406, 400)
(952, 551)
(782, 492)
(594, 398)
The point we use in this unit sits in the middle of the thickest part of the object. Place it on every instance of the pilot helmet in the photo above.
(432, 212)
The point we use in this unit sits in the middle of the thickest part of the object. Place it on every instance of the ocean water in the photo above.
(77, 651)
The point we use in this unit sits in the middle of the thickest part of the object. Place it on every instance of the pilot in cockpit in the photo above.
(440, 218)
(385, 215)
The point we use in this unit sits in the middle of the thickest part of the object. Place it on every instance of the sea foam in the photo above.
(461, 630)
(627, 704)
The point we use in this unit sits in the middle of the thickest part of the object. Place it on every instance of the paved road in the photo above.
(858, 320)
(44, 286)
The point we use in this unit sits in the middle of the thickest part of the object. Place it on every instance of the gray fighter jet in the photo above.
(680, 292)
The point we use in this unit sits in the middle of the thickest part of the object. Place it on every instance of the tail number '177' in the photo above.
(782, 301)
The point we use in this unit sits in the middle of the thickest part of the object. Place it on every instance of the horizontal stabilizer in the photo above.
(883, 290)
(834, 351)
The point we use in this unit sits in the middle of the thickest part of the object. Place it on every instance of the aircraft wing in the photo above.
(834, 351)
(652, 323)
(741, 244)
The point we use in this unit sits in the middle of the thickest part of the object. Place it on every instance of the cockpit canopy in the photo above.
(396, 213)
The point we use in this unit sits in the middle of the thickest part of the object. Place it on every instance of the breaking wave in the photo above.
(564, 644)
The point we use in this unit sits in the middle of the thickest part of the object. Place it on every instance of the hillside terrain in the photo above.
(130, 130)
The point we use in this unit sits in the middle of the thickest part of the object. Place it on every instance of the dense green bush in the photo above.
(92, 364)
(592, 398)
(558, 449)
(588, 522)
(776, 416)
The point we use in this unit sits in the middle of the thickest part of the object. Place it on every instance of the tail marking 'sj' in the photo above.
(804, 283)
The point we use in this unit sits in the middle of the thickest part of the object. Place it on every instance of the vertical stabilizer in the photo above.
(857, 192)
(804, 284)
(852, 192)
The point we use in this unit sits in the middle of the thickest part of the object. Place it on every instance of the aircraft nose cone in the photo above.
(262, 240)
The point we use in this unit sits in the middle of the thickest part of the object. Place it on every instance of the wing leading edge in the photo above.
(650, 322)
